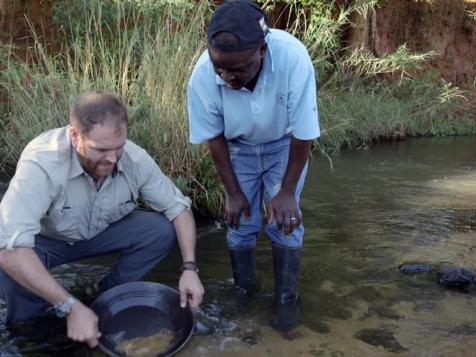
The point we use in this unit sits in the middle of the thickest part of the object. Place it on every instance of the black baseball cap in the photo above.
(243, 18)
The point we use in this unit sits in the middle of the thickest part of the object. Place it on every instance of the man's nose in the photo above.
(227, 75)
(112, 156)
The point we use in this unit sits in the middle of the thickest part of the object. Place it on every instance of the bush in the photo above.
(145, 50)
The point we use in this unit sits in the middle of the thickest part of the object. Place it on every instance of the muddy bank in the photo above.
(447, 27)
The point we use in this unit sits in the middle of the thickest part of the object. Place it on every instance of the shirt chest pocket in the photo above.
(63, 221)
(119, 211)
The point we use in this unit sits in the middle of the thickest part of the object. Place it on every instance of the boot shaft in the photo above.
(243, 264)
(287, 266)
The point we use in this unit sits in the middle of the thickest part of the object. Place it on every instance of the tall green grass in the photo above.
(145, 50)
(142, 51)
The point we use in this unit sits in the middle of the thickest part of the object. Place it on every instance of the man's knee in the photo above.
(161, 233)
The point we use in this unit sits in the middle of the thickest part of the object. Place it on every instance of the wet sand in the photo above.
(454, 191)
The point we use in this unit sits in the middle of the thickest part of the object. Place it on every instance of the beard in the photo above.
(97, 170)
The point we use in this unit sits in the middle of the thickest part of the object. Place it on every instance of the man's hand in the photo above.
(82, 325)
(236, 204)
(283, 207)
(191, 289)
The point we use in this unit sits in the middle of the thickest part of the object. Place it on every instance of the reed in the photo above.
(145, 51)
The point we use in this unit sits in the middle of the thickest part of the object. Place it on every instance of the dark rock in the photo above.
(454, 276)
(464, 330)
(380, 337)
(414, 268)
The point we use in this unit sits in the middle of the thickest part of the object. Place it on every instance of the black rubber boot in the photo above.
(286, 263)
(243, 263)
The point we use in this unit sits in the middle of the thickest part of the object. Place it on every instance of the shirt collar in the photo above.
(75, 169)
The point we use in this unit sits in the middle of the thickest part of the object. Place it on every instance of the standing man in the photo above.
(252, 98)
(73, 197)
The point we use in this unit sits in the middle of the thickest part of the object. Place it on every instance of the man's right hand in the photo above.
(83, 325)
(236, 204)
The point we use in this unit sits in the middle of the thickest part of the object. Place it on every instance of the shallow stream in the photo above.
(413, 201)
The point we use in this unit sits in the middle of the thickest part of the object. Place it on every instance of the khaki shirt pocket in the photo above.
(115, 213)
(62, 223)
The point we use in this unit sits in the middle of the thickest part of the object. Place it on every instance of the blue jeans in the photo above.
(143, 238)
(260, 170)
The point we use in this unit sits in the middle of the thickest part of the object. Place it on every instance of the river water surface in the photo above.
(393, 203)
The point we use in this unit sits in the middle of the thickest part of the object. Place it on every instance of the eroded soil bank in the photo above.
(447, 27)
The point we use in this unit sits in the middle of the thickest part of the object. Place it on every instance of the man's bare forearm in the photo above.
(184, 225)
(218, 148)
(24, 266)
(298, 156)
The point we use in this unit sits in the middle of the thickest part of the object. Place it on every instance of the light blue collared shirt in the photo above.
(282, 103)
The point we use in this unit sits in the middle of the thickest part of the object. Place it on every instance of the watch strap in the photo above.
(190, 265)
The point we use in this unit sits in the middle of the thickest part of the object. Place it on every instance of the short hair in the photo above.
(97, 107)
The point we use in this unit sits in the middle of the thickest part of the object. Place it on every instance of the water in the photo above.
(413, 201)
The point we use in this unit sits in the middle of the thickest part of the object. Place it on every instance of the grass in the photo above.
(145, 51)
(144, 56)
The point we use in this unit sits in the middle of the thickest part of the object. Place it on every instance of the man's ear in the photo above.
(74, 133)
(262, 49)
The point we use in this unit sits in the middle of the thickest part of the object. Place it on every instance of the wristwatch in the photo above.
(190, 265)
(63, 309)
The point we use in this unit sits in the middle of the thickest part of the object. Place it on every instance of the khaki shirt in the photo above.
(51, 193)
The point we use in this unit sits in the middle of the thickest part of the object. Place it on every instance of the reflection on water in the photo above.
(396, 202)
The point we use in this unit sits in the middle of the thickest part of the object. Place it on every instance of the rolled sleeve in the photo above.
(160, 192)
(303, 112)
(25, 202)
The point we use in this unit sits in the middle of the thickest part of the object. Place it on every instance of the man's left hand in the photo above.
(191, 289)
(283, 207)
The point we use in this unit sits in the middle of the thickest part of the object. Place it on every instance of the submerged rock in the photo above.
(464, 330)
(380, 337)
(414, 268)
(455, 276)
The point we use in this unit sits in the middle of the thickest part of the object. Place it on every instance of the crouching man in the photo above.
(73, 196)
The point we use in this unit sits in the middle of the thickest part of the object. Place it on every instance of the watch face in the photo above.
(60, 312)
(63, 309)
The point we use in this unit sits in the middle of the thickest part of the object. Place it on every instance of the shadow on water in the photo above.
(394, 203)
